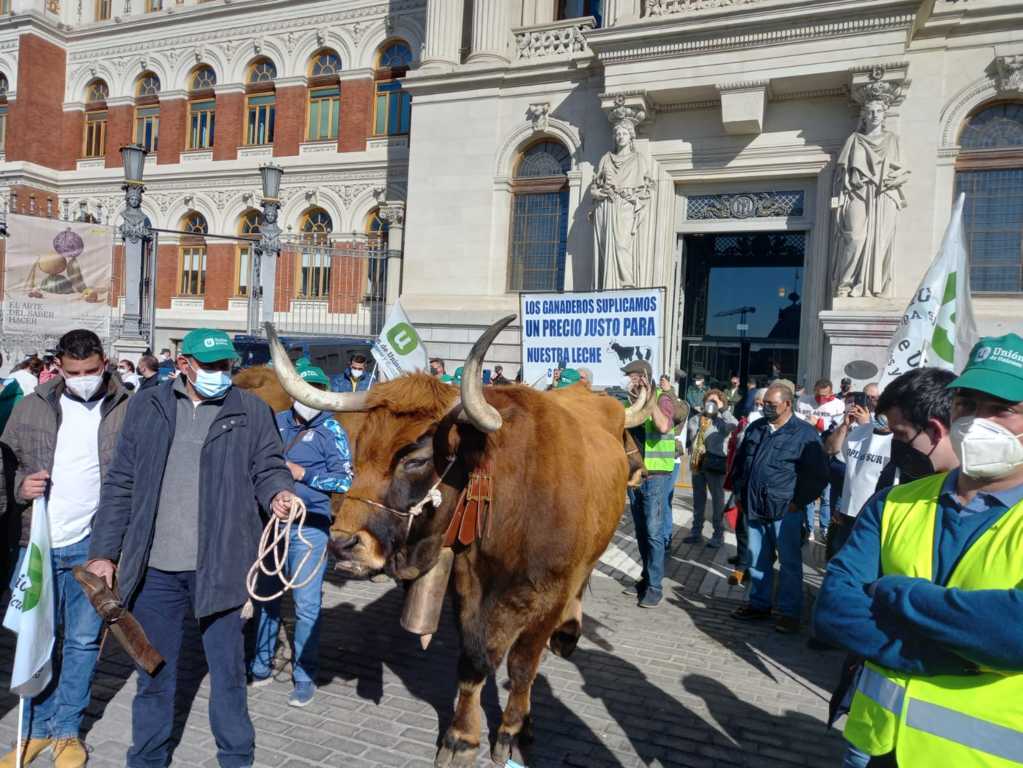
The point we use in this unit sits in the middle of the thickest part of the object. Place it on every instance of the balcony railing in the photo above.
(562, 38)
(672, 7)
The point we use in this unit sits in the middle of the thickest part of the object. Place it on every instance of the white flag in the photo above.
(938, 327)
(399, 349)
(30, 612)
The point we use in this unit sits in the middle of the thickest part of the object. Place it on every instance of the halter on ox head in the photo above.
(420, 440)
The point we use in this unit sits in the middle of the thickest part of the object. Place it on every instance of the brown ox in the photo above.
(559, 482)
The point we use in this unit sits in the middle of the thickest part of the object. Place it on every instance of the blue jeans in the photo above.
(855, 758)
(163, 602)
(647, 503)
(669, 518)
(825, 510)
(307, 608)
(784, 537)
(57, 711)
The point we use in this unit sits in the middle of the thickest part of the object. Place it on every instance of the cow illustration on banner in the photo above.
(57, 276)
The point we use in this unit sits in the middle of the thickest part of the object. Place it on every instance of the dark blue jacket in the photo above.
(322, 451)
(775, 469)
(348, 384)
(918, 625)
(242, 470)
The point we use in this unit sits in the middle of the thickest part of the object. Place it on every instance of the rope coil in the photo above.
(276, 541)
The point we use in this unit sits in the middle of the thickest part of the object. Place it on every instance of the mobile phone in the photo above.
(856, 398)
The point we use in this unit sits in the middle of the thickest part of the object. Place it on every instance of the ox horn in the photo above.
(475, 409)
(637, 413)
(303, 391)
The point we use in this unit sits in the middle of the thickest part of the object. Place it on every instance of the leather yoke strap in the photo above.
(470, 520)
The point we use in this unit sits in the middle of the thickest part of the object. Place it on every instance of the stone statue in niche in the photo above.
(622, 193)
(868, 199)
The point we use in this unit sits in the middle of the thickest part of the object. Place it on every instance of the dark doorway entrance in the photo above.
(743, 301)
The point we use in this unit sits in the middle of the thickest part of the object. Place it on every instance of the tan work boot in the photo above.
(69, 753)
(31, 749)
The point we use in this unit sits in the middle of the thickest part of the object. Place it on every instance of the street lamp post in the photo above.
(267, 250)
(136, 232)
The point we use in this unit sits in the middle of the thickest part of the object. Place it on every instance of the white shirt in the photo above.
(866, 455)
(26, 381)
(831, 412)
(75, 479)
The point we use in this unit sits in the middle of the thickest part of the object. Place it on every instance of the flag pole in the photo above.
(17, 741)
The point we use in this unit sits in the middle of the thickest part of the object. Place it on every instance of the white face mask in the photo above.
(84, 387)
(986, 449)
(306, 412)
(356, 373)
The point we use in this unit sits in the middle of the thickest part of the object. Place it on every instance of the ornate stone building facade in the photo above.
(797, 164)
(214, 89)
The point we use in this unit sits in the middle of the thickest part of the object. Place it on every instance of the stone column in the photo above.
(394, 214)
(491, 32)
(443, 34)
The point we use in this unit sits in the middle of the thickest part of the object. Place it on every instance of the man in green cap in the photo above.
(927, 589)
(320, 460)
(179, 523)
(568, 377)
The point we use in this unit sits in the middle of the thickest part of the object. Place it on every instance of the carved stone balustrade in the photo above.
(562, 38)
(670, 7)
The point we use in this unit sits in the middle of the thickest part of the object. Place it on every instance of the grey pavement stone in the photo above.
(682, 686)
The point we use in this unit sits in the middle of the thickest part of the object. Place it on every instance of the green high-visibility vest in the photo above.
(966, 721)
(658, 448)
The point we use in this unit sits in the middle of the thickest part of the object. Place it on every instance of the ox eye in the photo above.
(415, 464)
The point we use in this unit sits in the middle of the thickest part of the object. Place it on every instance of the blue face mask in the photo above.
(211, 384)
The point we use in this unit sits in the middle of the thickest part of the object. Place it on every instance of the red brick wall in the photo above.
(23, 201)
(230, 121)
(284, 282)
(173, 114)
(37, 116)
(291, 120)
(117, 287)
(219, 275)
(166, 275)
(119, 128)
(356, 115)
(74, 127)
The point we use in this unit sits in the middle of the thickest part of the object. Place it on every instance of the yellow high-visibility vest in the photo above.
(966, 721)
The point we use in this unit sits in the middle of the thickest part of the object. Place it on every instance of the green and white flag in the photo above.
(399, 349)
(938, 328)
(30, 612)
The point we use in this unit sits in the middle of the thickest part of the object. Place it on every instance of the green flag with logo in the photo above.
(30, 612)
(399, 348)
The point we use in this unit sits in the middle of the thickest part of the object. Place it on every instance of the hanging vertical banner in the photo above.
(602, 331)
(399, 350)
(57, 276)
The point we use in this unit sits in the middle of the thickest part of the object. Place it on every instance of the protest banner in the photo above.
(57, 276)
(602, 331)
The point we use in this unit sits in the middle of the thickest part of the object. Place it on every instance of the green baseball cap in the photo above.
(208, 345)
(569, 376)
(458, 374)
(313, 375)
(995, 368)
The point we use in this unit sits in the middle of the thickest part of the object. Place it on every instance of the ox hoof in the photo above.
(510, 746)
(563, 643)
(456, 753)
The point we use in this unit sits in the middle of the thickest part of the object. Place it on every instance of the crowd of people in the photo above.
(158, 477)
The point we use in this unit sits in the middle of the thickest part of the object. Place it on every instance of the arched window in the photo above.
(147, 111)
(539, 225)
(324, 96)
(989, 170)
(314, 269)
(393, 107)
(154, 5)
(202, 108)
(203, 79)
(248, 226)
(261, 104)
(3, 112)
(103, 8)
(94, 138)
(192, 261)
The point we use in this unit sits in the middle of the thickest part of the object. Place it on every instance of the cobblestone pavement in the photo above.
(682, 685)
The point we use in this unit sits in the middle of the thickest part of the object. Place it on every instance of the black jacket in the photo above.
(242, 470)
(775, 469)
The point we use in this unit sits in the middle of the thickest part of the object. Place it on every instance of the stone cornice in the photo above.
(682, 36)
